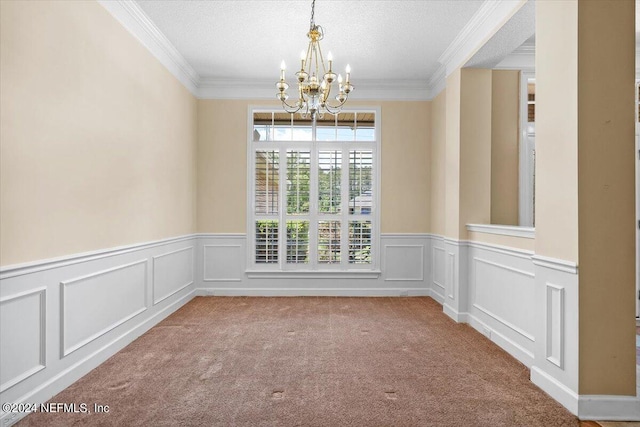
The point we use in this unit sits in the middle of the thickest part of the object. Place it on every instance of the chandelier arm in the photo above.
(333, 109)
(290, 108)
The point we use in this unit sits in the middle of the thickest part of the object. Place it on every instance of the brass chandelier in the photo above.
(315, 80)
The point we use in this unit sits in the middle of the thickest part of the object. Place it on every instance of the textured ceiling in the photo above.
(247, 39)
(519, 29)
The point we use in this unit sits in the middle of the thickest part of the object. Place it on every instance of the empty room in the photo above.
(319, 213)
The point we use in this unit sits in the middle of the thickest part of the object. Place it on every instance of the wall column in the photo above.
(467, 174)
(585, 214)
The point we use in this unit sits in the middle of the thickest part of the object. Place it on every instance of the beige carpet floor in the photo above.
(310, 362)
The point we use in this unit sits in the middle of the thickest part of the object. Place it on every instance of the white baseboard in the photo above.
(609, 408)
(455, 315)
(514, 349)
(332, 292)
(554, 388)
(437, 296)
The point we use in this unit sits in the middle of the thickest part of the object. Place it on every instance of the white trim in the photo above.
(555, 264)
(222, 235)
(507, 324)
(503, 230)
(559, 359)
(483, 24)
(405, 279)
(505, 267)
(51, 263)
(206, 277)
(505, 250)
(560, 392)
(64, 379)
(609, 408)
(133, 18)
(337, 292)
(525, 172)
(514, 349)
(454, 314)
(313, 274)
(153, 273)
(64, 351)
(43, 335)
(407, 235)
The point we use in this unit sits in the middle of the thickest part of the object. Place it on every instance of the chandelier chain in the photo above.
(312, 23)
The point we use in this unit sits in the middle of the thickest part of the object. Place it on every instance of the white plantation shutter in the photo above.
(314, 190)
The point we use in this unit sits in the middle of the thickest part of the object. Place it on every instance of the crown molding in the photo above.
(484, 23)
(491, 15)
(133, 18)
(380, 90)
(438, 81)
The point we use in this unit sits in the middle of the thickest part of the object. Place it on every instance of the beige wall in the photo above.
(97, 138)
(585, 175)
(505, 118)
(475, 148)
(452, 156)
(556, 132)
(606, 197)
(222, 165)
(438, 146)
(406, 178)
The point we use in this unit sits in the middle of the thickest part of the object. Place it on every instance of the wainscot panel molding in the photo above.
(501, 296)
(172, 272)
(104, 300)
(438, 279)
(525, 303)
(456, 282)
(555, 368)
(504, 230)
(60, 318)
(404, 267)
(29, 336)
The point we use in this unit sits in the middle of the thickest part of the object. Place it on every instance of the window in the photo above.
(313, 190)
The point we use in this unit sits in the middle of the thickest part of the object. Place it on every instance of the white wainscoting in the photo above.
(172, 272)
(438, 279)
(404, 267)
(61, 318)
(103, 300)
(501, 294)
(526, 304)
(22, 326)
(556, 351)
(224, 258)
(455, 303)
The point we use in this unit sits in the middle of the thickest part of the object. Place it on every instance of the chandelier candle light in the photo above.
(313, 93)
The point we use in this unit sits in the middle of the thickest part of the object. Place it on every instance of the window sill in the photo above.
(313, 274)
(504, 230)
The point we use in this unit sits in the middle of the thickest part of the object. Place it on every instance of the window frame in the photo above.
(314, 268)
(526, 185)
